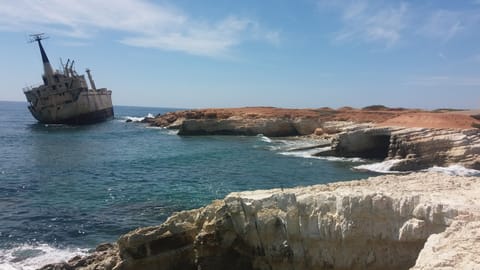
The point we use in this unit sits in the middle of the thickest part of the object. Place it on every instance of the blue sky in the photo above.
(228, 53)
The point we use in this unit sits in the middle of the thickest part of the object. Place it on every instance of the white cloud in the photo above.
(370, 21)
(389, 22)
(140, 22)
(443, 24)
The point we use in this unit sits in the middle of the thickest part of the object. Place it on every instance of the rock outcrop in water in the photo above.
(422, 220)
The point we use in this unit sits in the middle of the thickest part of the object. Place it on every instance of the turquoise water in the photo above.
(67, 187)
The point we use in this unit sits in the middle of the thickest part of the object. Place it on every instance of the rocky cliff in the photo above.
(413, 140)
(411, 148)
(273, 122)
(421, 220)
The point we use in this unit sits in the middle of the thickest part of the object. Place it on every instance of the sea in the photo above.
(65, 189)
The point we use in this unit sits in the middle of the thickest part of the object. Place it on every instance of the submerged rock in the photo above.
(379, 223)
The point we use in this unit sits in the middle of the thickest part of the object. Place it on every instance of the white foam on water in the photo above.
(380, 167)
(264, 138)
(31, 257)
(137, 119)
(165, 130)
(290, 145)
(385, 167)
(310, 153)
(454, 170)
(170, 131)
(303, 154)
(134, 118)
(343, 159)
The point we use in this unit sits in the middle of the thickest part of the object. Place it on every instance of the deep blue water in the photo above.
(78, 186)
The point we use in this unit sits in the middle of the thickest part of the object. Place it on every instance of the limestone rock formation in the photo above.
(262, 120)
(412, 148)
(379, 223)
(420, 148)
(272, 127)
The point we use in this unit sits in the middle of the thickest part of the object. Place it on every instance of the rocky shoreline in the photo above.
(416, 221)
(412, 139)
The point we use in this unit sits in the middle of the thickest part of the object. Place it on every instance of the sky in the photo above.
(230, 53)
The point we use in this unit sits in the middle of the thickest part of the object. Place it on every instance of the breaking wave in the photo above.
(380, 167)
(454, 170)
(165, 130)
(385, 167)
(30, 257)
(137, 119)
(302, 148)
(264, 138)
(311, 153)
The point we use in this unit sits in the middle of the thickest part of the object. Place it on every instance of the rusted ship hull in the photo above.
(90, 107)
(85, 119)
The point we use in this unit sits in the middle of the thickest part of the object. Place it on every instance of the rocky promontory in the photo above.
(269, 121)
(416, 221)
(411, 139)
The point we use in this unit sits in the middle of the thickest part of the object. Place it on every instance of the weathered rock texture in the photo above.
(273, 127)
(378, 223)
(413, 148)
(368, 133)
(274, 122)
(278, 121)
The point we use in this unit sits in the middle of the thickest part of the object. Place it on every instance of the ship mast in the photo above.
(47, 68)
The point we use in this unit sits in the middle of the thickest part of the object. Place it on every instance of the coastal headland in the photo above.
(417, 220)
(409, 139)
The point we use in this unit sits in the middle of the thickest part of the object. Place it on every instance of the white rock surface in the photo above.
(414, 148)
(384, 222)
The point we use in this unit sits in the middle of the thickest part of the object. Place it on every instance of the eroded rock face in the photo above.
(269, 121)
(413, 148)
(272, 127)
(378, 223)
(423, 148)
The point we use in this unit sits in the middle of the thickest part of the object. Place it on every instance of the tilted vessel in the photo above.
(64, 97)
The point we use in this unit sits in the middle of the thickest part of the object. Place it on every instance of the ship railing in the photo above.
(30, 87)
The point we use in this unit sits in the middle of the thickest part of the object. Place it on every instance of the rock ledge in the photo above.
(417, 221)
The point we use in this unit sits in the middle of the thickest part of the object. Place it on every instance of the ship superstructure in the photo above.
(64, 96)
